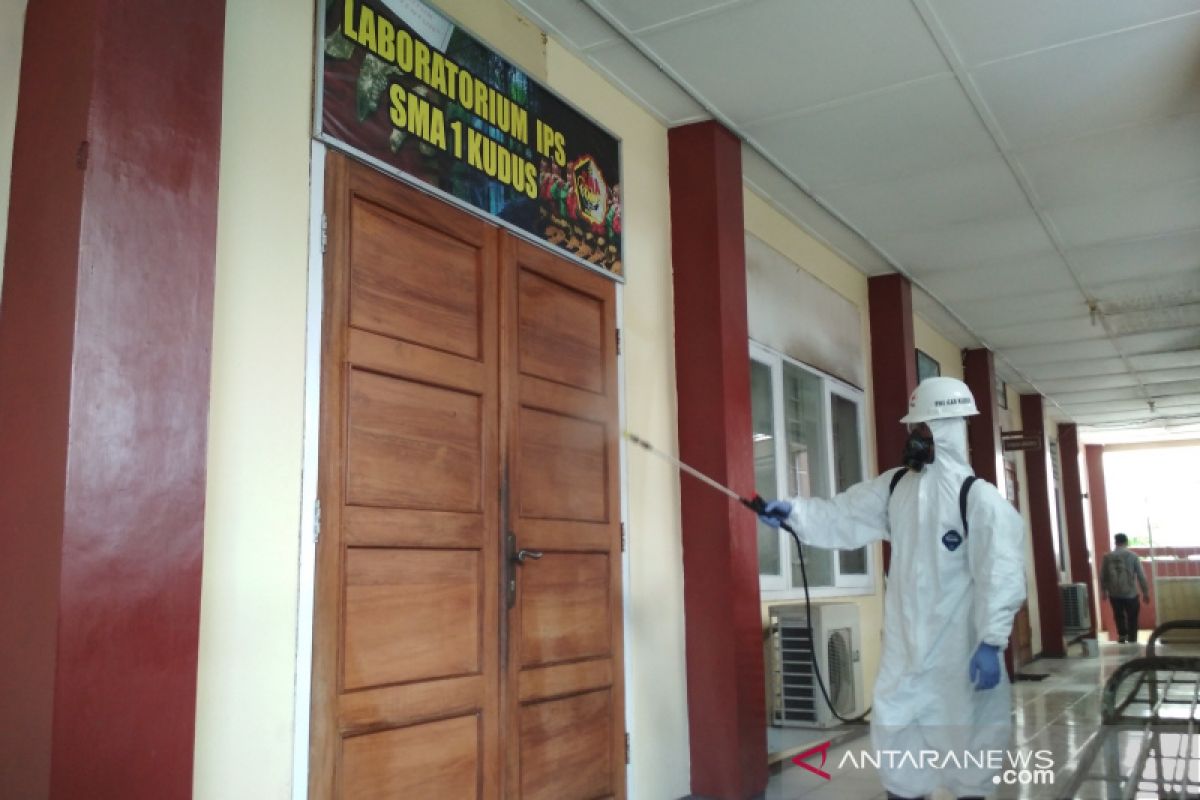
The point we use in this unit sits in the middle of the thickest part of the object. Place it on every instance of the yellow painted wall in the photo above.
(944, 351)
(12, 29)
(767, 223)
(252, 526)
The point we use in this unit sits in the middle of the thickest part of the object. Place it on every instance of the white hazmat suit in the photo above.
(944, 597)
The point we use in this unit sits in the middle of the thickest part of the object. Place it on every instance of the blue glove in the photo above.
(985, 666)
(776, 513)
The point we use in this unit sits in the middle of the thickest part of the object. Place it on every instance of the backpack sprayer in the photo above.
(758, 506)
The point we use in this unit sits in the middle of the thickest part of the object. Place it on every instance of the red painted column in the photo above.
(1041, 496)
(725, 683)
(983, 431)
(1073, 491)
(893, 362)
(893, 369)
(105, 334)
(1102, 542)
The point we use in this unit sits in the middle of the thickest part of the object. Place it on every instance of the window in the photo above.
(808, 440)
(927, 366)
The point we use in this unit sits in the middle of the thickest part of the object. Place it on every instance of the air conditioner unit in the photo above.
(796, 698)
(1077, 614)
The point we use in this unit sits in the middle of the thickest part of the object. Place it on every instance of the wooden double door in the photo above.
(467, 638)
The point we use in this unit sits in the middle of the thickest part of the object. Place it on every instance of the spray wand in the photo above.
(758, 506)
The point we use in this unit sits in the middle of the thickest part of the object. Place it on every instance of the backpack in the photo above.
(962, 495)
(1116, 578)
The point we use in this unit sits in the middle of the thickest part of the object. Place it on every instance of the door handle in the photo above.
(516, 557)
(524, 555)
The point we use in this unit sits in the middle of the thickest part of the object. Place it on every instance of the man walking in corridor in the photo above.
(1120, 576)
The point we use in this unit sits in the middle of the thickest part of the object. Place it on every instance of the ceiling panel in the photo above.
(1170, 375)
(1174, 389)
(983, 30)
(1172, 318)
(636, 15)
(1096, 84)
(1151, 212)
(910, 129)
(981, 188)
(1017, 246)
(1163, 361)
(638, 77)
(789, 200)
(1080, 367)
(1149, 294)
(1129, 159)
(1055, 386)
(1165, 406)
(747, 60)
(1142, 415)
(1093, 396)
(1165, 342)
(1050, 331)
(985, 312)
(1060, 352)
(953, 286)
(1135, 259)
(575, 23)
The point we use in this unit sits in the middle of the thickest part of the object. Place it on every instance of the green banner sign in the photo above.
(408, 88)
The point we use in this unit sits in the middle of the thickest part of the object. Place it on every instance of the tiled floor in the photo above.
(1058, 714)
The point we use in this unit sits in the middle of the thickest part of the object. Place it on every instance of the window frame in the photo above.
(779, 586)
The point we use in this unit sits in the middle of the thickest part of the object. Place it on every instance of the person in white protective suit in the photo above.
(941, 715)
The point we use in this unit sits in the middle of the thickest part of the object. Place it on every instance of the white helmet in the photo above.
(938, 398)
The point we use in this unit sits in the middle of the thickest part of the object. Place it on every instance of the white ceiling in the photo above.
(1033, 166)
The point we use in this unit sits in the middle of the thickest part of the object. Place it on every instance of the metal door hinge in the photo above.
(628, 756)
(317, 522)
(324, 233)
(618, 341)
(623, 543)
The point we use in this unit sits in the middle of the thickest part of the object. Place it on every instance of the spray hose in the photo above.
(759, 507)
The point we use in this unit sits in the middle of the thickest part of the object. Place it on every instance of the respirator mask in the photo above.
(918, 449)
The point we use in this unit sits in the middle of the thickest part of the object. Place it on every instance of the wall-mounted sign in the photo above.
(417, 94)
(1019, 440)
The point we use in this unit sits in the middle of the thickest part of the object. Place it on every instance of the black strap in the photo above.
(962, 495)
(962, 502)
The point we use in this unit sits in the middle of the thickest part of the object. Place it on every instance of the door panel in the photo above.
(427, 293)
(437, 759)
(564, 683)
(410, 615)
(406, 668)
(412, 445)
(565, 608)
(566, 747)
(561, 333)
(563, 463)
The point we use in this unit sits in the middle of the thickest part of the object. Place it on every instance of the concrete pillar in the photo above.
(893, 369)
(983, 431)
(1073, 491)
(1041, 498)
(725, 681)
(893, 362)
(105, 342)
(1102, 542)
